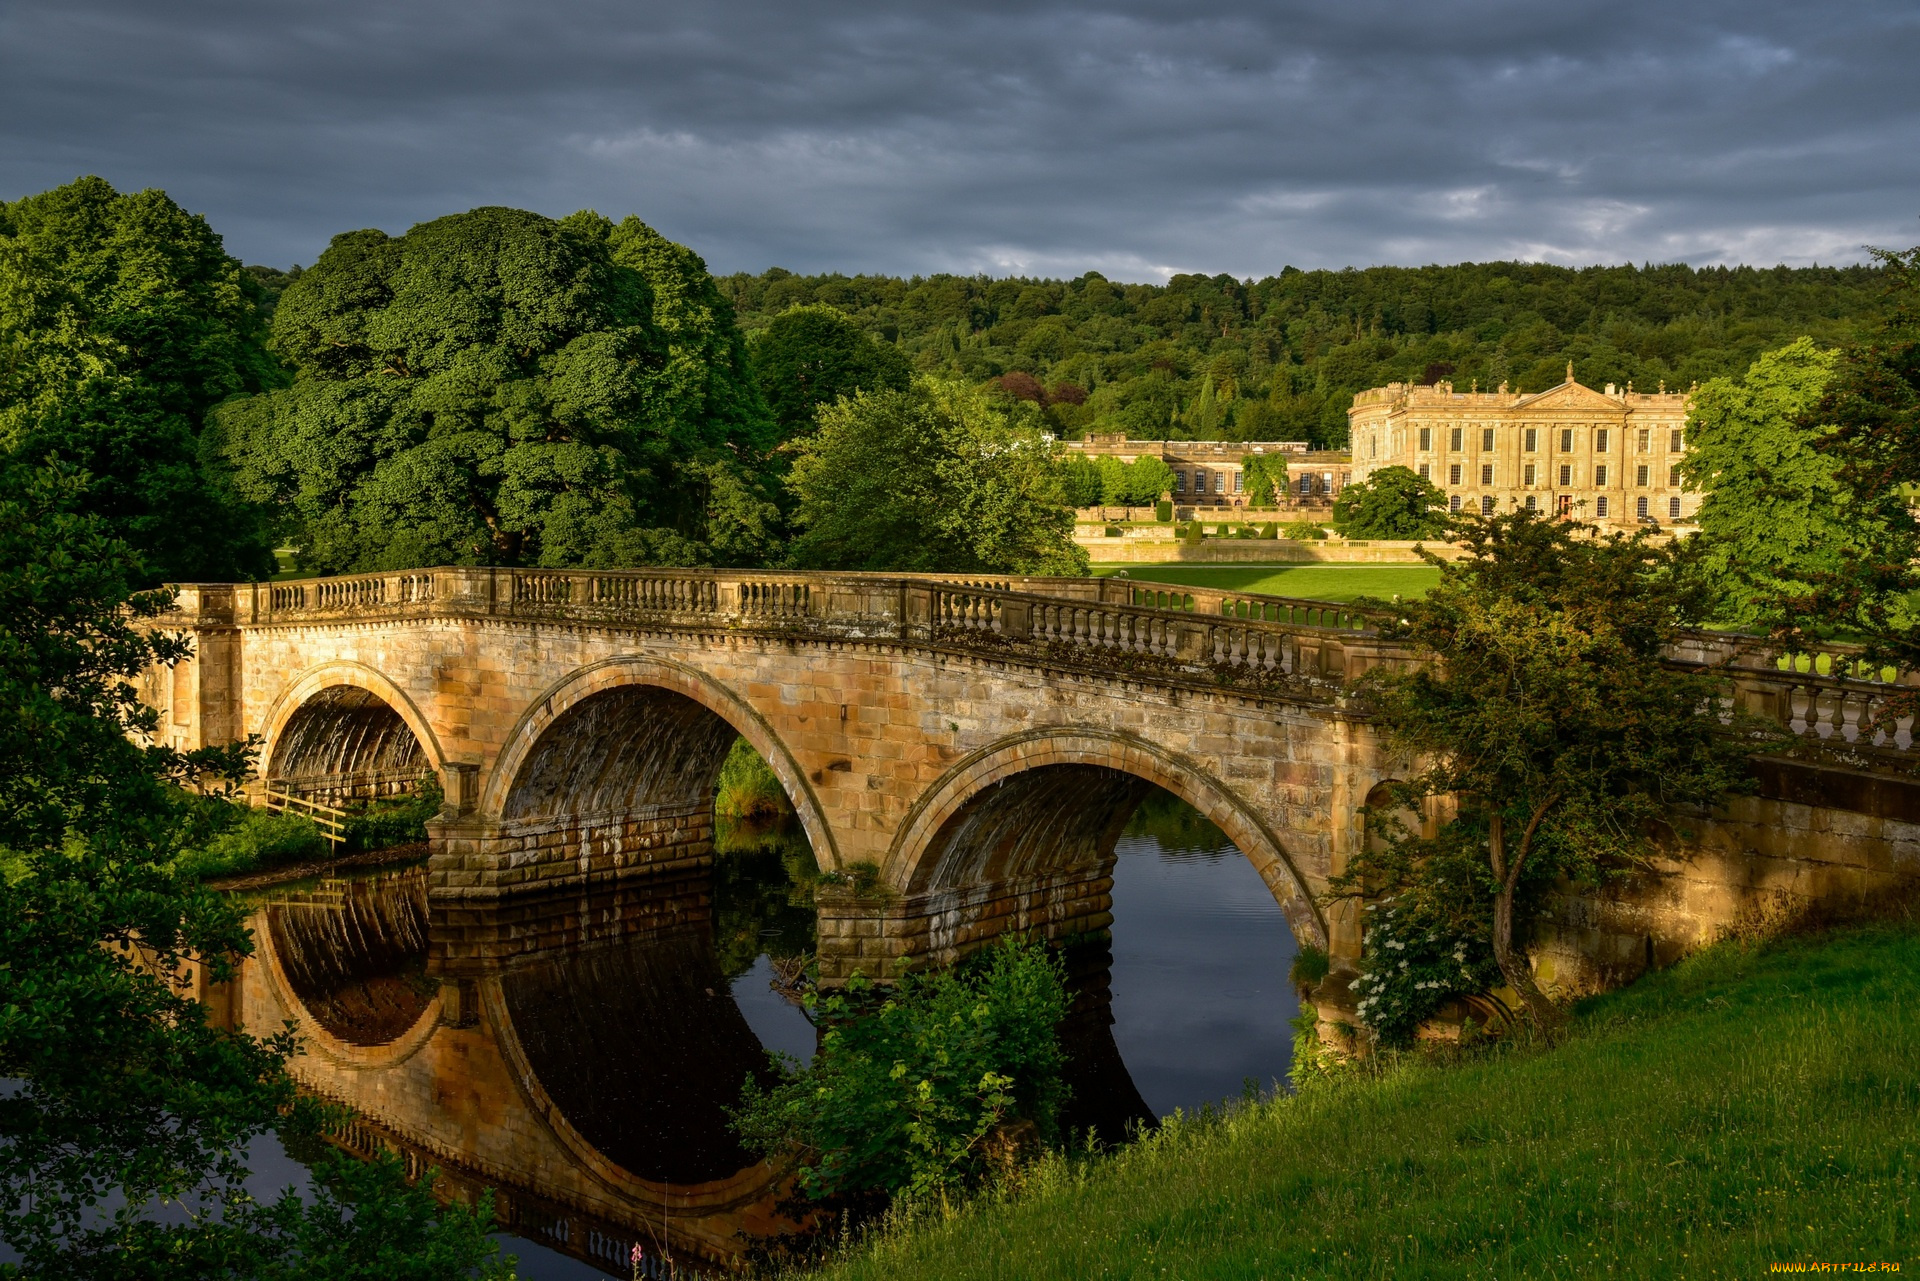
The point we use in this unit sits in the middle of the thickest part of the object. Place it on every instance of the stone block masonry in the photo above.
(960, 745)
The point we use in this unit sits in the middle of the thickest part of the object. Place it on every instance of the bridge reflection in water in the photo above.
(577, 1051)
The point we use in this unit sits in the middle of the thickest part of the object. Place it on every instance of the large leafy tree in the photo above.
(122, 323)
(808, 357)
(933, 479)
(123, 1142)
(1393, 502)
(1776, 517)
(1547, 720)
(1872, 413)
(501, 387)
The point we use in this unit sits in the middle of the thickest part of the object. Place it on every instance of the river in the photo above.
(577, 1053)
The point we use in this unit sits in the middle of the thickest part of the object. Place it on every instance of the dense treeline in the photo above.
(1215, 358)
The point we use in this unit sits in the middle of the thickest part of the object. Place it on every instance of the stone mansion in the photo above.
(1607, 456)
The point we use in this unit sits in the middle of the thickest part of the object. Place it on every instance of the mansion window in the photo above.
(1453, 441)
(1641, 475)
(1640, 507)
(1239, 479)
(1529, 438)
(1566, 475)
(1425, 468)
(1219, 482)
(1486, 438)
(1673, 509)
(1600, 441)
(1673, 476)
(1600, 505)
(1486, 504)
(1676, 440)
(1453, 474)
(1566, 440)
(1426, 439)
(1179, 482)
(1529, 473)
(1533, 503)
(1453, 504)
(1486, 473)
(1600, 475)
(1645, 442)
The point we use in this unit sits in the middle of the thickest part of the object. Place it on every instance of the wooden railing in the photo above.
(1139, 628)
(331, 820)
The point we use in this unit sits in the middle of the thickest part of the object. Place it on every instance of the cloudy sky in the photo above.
(1136, 138)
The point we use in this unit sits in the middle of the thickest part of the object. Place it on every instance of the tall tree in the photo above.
(1549, 720)
(933, 479)
(499, 387)
(1873, 406)
(122, 323)
(1393, 502)
(809, 357)
(1775, 517)
(125, 1099)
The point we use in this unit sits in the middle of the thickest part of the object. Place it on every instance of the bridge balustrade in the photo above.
(1827, 694)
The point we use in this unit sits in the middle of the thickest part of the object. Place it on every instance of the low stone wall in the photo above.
(1246, 551)
(491, 858)
(881, 935)
(1813, 841)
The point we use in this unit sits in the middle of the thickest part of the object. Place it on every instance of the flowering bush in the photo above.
(1414, 962)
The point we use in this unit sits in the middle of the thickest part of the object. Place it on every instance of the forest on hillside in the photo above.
(1214, 358)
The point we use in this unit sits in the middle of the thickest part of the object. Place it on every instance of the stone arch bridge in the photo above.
(960, 751)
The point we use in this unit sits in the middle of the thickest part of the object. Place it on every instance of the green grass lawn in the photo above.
(1311, 582)
(1751, 1106)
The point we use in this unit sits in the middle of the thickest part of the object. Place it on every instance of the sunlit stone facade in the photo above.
(1607, 456)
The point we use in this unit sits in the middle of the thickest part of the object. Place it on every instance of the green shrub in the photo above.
(1310, 965)
(251, 840)
(1417, 958)
(1163, 511)
(748, 787)
(1192, 533)
(908, 1084)
(400, 820)
(1305, 531)
(1270, 530)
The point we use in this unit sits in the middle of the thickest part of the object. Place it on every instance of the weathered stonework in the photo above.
(962, 748)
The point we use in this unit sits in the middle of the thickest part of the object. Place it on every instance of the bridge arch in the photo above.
(995, 812)
(349, 968)
(342, 718)
(594, 723)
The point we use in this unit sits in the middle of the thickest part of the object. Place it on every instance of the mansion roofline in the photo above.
(1441, 395)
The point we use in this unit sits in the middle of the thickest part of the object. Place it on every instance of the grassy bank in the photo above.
(1752, 1106)
(1313, 582)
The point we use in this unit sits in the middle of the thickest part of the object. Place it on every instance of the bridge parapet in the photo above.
(1224, 637)
(1825, 695)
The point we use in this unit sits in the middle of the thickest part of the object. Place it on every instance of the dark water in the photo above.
(1201, 1000)
(640, 1033)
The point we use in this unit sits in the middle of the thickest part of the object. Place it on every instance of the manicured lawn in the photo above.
(1752, 1106)
(1310, 582)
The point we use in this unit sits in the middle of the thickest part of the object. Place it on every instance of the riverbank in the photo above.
(1750, 1106)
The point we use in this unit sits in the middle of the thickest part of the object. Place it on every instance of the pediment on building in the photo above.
(1571, 396)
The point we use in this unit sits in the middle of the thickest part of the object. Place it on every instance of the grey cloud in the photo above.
(1136, 138)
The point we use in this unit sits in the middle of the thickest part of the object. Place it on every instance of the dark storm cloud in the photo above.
(1134, 138)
